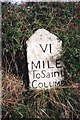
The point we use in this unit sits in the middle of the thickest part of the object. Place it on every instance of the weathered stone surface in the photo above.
(44, 63)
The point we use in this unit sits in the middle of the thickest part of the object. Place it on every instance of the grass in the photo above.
(56, 103)
(19, 22)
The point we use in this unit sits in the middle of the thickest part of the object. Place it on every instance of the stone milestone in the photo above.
(44, 60)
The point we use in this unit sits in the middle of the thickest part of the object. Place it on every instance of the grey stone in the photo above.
(44, 60)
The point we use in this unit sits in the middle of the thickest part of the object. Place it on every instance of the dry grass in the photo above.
(61, 102)
(12, 87)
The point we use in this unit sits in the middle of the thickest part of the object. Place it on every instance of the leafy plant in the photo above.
(19, 22)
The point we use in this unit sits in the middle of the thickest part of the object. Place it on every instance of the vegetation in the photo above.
(19, 22)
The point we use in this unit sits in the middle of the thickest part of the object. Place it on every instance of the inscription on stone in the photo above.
(44, 60)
